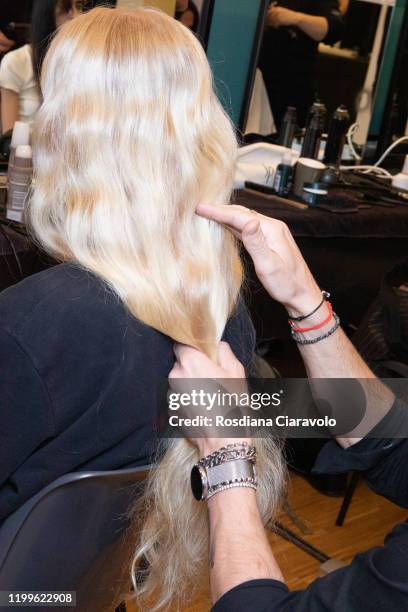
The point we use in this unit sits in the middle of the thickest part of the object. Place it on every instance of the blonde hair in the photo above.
(129, 139)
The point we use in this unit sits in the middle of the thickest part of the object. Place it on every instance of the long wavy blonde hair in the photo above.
(129, 139)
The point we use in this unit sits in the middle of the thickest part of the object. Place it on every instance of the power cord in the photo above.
(351, 131)
(380, 172)
(391, 148)
(367, 169)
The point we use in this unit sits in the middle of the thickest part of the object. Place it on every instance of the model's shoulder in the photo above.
(60, 292)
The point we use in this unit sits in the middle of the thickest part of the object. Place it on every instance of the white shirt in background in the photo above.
(17, 74)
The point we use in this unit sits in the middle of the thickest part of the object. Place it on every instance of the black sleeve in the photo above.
(375, 580)
(331, 11)
(25, 411)
(382, 457)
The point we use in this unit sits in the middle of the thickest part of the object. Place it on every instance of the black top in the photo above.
(288, 58)
(375, 580)
(79, 380)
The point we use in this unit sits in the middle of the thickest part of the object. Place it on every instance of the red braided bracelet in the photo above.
(302, 330)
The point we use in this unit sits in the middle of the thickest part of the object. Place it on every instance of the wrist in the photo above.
(233, 498)
(228, 467)
(208, 446)
(304, 303)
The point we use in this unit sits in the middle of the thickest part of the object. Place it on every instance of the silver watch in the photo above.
(230, 466)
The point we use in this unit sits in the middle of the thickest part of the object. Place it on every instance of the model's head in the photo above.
(129, 139)
(47, 16)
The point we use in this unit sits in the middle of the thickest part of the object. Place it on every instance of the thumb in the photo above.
(254, 241)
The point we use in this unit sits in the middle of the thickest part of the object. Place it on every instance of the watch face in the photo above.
(196, 483)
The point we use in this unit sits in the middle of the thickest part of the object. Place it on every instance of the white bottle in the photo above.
(19, 182)
(20, 136)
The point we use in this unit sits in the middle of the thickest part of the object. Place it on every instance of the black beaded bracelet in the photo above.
(303, 341)
(325, 297)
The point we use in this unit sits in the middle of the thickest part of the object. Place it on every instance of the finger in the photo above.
(233, 231)
(255, 243)
(192, 361)
(226, 357)
(233, 216)
(183, 352)
(176, 372)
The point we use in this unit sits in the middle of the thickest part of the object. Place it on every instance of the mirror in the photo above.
(345, 69)
(295, 69)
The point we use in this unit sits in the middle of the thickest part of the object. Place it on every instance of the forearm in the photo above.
(336, 357)
(344, 5)
(315, 27)
(239, 548)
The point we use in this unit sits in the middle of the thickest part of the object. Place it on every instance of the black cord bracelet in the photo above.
(325, 297)
(304, 342)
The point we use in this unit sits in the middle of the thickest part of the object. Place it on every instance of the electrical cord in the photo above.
(381, 172)
(351, 131)
(390, 148)
(375, 168)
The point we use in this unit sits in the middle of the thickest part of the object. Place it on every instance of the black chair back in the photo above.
(74, 535)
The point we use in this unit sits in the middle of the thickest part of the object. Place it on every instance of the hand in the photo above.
(5, 43)
(191, 363)
(279, 16)
(278, 262)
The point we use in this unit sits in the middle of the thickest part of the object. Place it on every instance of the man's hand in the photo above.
(279, 16)
(192, 364)
(278, 262)
(5, 43)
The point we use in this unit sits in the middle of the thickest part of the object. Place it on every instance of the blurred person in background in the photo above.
(20, 69)
(294, 29)
(190, 17)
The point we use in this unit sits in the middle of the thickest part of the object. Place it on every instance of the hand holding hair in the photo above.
(278, 262)
(191, 363)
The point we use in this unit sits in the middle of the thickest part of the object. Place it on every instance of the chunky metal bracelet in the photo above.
(230, 466)
(231, 452)
(304, 341)
(325, 296)
(249, 483)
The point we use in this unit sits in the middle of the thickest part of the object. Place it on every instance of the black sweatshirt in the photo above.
(376, 580)
(80, 380)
